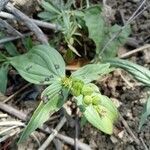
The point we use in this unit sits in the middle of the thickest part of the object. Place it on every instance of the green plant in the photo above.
(85, 21)
(39, 66)
(61, 14)
(140, 73)
(11, 50)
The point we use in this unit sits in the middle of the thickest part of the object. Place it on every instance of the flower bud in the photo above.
(87, 100)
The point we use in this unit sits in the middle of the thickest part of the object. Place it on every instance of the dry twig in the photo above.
(53, 134)
(8, 28)
(32, 26)
(128, 54)
(20, 90)
(137, 141)
(37, 22)
(14, 112)
(12, 38)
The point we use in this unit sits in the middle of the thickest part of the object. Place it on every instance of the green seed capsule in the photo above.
(76, 87)
(87, 90)
(75, 91)
(87, 100)
(96, 100)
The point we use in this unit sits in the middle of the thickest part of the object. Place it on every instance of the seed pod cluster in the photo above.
(89, 91)
(94, 104)
(76, 87)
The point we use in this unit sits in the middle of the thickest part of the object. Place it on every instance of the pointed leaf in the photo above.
(95, 23)
(41, 65)
(112, 48)
(43, 111)
(139, 72)
(11, 49)
(28, 43)
(48, 6)
(91, 72)
(107, 103)
(102, 123)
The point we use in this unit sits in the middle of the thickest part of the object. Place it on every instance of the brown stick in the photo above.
(12, 111)
(31, 25)
(128, 54)
(13, 95)
(9, 28)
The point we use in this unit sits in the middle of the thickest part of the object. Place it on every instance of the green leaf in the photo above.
(113, 46)
(145, 114)
(91, 72)
(51, 90)
(95, 23)
(3, 77)
(102, 123)
(41, 65)
(139, 72)
(27, 42)
(47, 16)
(68, 4)
(44, 110)
(2, 57)
(11, 49)
(123, 34)
(48, 6)
(107, 103)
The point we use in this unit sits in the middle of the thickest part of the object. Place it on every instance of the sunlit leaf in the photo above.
(106, 102)
(102, 123)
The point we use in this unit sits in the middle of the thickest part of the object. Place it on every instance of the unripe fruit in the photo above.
(96, 100)
(75, 91)
(87, 90)
(77, 86)
(87, 100)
